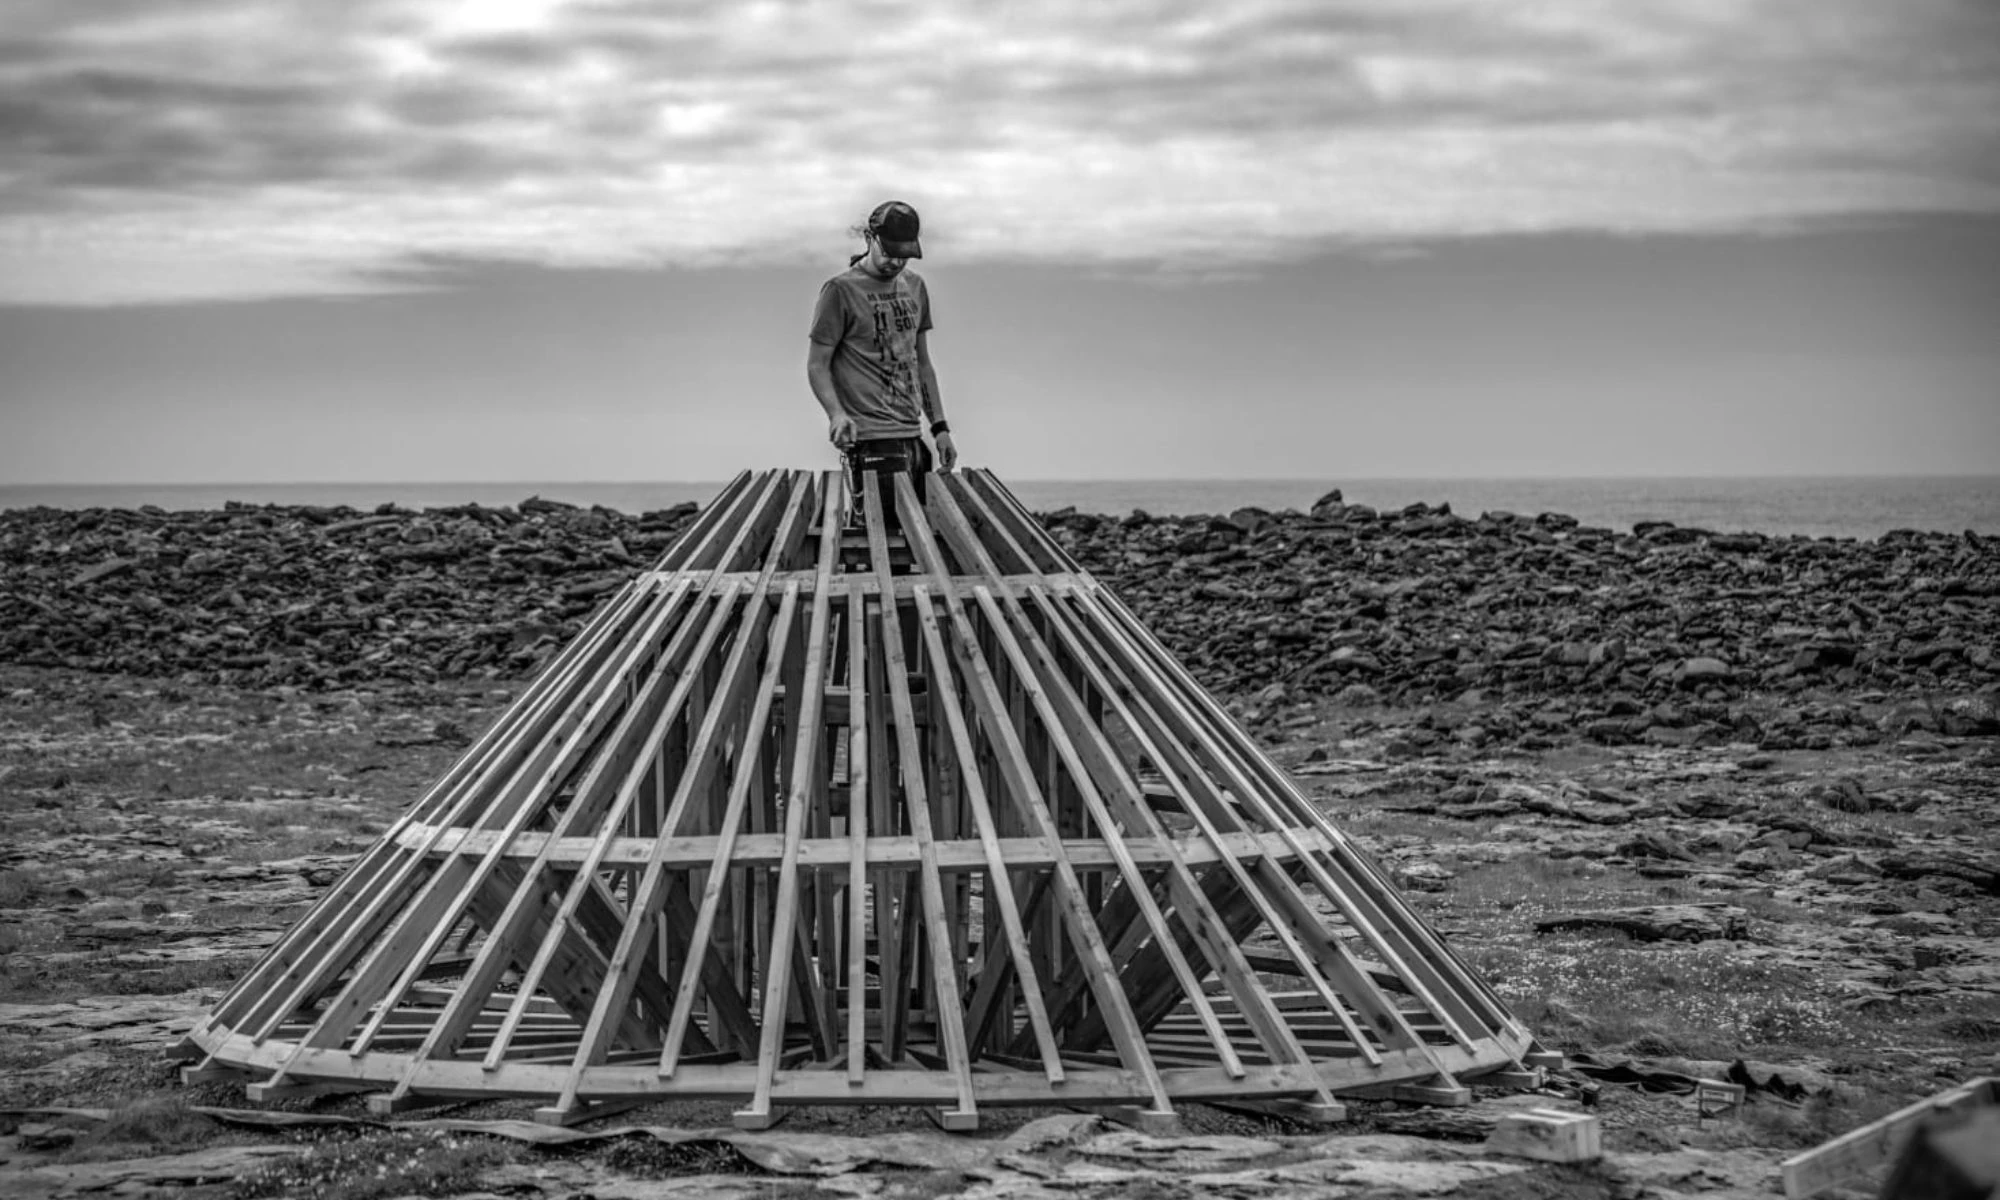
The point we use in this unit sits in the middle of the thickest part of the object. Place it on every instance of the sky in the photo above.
(456, 240)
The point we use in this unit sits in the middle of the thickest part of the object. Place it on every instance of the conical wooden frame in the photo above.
(888, 808)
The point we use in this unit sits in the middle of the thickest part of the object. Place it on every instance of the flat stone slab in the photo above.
(170, 1174)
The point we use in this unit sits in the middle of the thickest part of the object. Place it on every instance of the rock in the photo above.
(103, 570)
(1982, 871)
(1423, 877)
(1697, 671)
(1653, 845)
(145, 1176)
(1661, 922)
(314, 597)
(1970, 716)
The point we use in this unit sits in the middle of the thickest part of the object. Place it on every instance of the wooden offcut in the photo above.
(834, 808)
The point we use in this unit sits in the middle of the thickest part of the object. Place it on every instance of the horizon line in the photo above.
(1329, 481)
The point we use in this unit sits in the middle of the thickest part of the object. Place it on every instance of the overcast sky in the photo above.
(266, 240)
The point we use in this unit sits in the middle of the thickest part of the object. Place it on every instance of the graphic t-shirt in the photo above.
(872, 325)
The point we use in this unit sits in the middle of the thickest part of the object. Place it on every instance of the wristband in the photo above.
(938, 427)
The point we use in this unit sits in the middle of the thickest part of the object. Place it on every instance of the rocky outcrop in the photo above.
(1652, 636)
(263, 595)
(1657, 635)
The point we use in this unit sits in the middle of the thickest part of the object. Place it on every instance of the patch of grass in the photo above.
(1692, 1001)
(1819, 1119)
(27, 980)
(377, 1165)
(154, 1125)
(649, 1158)
(130, 874)
(21, 888)
(1532, 885)
(1403, 828)
(296, 842)
(1972, 1027)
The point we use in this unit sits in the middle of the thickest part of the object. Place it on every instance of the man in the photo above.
(869, 363)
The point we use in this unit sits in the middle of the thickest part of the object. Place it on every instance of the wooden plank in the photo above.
(1007, 511)
(807, 725)
(859, 754)
(1085, 1085)
(1022, 852)
(1879, 1141)
(711, 518)
(842, 584)
(916, 804)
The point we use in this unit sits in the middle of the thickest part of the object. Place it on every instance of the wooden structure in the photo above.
(898, 809)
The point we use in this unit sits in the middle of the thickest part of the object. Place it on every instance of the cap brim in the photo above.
(902, 249)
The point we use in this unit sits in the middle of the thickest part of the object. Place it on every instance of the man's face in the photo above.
(881, 265)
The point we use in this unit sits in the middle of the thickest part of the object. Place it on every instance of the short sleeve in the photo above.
(923, 305)
(829, 324)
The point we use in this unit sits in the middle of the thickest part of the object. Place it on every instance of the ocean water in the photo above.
(1849, 506)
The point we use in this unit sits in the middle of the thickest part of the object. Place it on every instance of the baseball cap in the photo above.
(894, 224)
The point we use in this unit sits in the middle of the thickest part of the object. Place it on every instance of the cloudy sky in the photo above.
(267, 240)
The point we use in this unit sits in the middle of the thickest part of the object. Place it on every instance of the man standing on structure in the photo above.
(869, 364)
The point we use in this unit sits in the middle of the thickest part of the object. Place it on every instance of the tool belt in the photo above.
(888, 457)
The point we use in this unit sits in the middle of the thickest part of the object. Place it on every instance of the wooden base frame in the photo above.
(864, 808)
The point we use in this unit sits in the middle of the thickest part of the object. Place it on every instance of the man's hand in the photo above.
(840, 431)
(947, 453)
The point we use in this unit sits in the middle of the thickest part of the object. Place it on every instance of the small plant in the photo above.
(415, 1163)
(20, 889)
(649, 1158)
(157, 1124)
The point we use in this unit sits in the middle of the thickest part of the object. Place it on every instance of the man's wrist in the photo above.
(940, 426)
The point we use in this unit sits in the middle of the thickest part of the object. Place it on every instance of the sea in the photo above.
(1828, 506)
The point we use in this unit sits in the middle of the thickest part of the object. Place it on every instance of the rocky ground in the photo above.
(1658, 635)
(1692, 802)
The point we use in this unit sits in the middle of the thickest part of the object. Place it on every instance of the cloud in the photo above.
(257, 147)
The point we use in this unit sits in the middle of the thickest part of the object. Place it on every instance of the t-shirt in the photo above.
(872, 325)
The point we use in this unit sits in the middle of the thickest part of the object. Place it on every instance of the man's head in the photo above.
(892, 238)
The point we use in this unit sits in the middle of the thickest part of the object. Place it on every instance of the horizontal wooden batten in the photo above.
(904, 586)
(767, 849)
(1002, 1085)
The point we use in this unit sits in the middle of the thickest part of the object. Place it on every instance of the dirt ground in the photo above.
(1826, 923)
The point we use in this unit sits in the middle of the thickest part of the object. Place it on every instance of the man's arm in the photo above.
(934, 403)
(819, 376)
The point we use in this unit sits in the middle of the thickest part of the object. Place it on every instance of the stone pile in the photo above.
(1658, 629)
(1662, 627)
(264, 595)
